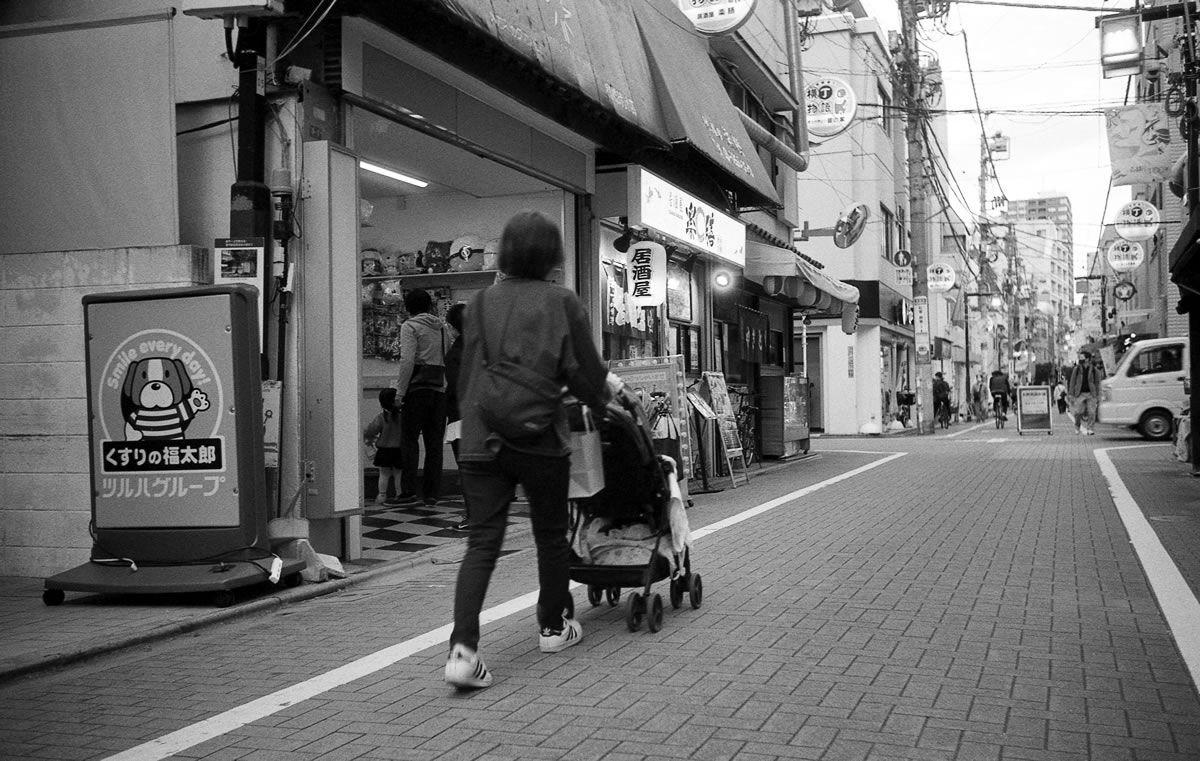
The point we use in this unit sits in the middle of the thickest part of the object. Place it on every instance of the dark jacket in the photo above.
(1075, 385)
(998, 384)
(544, 327)
(453, 367)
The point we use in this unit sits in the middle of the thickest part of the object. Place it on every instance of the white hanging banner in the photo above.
(1137, 220)
(1139, 141)
(647, 274)
(1124, 255)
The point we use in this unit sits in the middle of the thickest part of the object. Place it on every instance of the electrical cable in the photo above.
(301, 33)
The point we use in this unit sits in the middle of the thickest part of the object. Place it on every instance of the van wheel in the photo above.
(1155, 425)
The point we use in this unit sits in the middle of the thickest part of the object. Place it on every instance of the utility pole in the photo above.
(914, 130)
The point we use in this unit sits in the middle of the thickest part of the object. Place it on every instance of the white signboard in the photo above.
(940, 277)
(1124, 255)
(904, 276)
(921, 320)
(1137, 220)
(830, 104)
(659, 205)
(717, 17)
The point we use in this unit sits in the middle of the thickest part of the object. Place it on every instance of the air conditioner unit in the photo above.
(213, 9)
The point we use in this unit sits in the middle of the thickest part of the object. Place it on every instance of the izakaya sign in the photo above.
(830, 104)
(717, 17)
(1137, 220)
(647, 274)
(940, 277)
(660, 206)
(1124, 255)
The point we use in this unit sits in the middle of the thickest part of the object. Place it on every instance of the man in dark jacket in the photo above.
(1084, 388)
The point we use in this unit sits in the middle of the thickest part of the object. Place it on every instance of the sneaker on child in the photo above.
(466, 670)
(557, 640)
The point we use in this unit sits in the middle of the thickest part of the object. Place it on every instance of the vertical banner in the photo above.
(1139, 143)
(753, 326)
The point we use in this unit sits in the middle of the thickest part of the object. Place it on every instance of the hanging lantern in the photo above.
(647, 274)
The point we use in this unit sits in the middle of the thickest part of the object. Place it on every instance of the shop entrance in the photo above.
(431, 215)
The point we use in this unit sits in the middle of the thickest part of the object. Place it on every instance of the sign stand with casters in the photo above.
(1033, 409)
(175, 432)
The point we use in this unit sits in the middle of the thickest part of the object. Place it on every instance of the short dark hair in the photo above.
(417, 301)
(1085, 354)
(937, 375)
(454, 315)
(531, 246)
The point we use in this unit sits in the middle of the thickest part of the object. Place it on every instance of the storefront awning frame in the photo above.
(783, 272)
(667, 111)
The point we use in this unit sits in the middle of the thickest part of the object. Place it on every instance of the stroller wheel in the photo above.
(655, 618)
(695, 591)
(635, 608)
(676, 593)
(614, 596)
(594, 594)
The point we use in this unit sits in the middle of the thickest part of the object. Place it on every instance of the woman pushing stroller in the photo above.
(527, 319)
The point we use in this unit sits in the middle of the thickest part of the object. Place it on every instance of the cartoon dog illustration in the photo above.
(158, 400)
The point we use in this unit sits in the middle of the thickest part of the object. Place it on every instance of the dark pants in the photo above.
(488, 488)
(423, 418)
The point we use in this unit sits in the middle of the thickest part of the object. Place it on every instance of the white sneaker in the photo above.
(551, 641)
(466, 670)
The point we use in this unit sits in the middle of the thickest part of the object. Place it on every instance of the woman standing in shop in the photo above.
(523, 318)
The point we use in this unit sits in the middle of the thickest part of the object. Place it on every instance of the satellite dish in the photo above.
(850, 226)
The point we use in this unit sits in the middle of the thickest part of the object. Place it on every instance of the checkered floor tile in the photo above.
(390, 532)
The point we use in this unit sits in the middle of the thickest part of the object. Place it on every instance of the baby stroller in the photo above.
(633, 532)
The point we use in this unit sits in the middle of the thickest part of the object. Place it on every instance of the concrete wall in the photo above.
(45, 505)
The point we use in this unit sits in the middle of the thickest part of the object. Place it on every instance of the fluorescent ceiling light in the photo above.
(391, 173)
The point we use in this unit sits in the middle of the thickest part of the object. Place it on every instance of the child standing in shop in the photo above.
(383, 433)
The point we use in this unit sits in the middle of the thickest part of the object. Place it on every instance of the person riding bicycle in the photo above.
(1000, 389)
(941, 394)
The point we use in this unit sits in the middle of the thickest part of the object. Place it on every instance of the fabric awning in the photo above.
(641, 61)
(783, 273)
(695, 106)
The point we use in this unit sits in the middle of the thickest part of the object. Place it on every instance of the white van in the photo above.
(1147, 390)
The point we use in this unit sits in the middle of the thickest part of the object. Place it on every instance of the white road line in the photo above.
(1176, 599)
(239, 716)
(965, 430)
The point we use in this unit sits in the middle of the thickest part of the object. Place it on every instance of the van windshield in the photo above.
(1160, 359)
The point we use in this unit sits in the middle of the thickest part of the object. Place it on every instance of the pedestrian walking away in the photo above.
(1060, 396)
(1084, 388)
(527, 320)
(421, 387)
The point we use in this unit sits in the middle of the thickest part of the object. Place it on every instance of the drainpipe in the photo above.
(796, 83)
(250, 197)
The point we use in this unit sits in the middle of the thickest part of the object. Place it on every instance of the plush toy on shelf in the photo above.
(466, 254)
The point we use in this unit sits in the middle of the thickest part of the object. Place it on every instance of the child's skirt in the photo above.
(388, 457)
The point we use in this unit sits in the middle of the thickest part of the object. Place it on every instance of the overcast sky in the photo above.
(1029, 59)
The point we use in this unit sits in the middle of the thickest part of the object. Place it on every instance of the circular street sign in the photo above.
(1137, 220)
(1124, 290)
(902, 258)
(717, 17)
(1124, 255)
(940, 277)
(830, 106)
